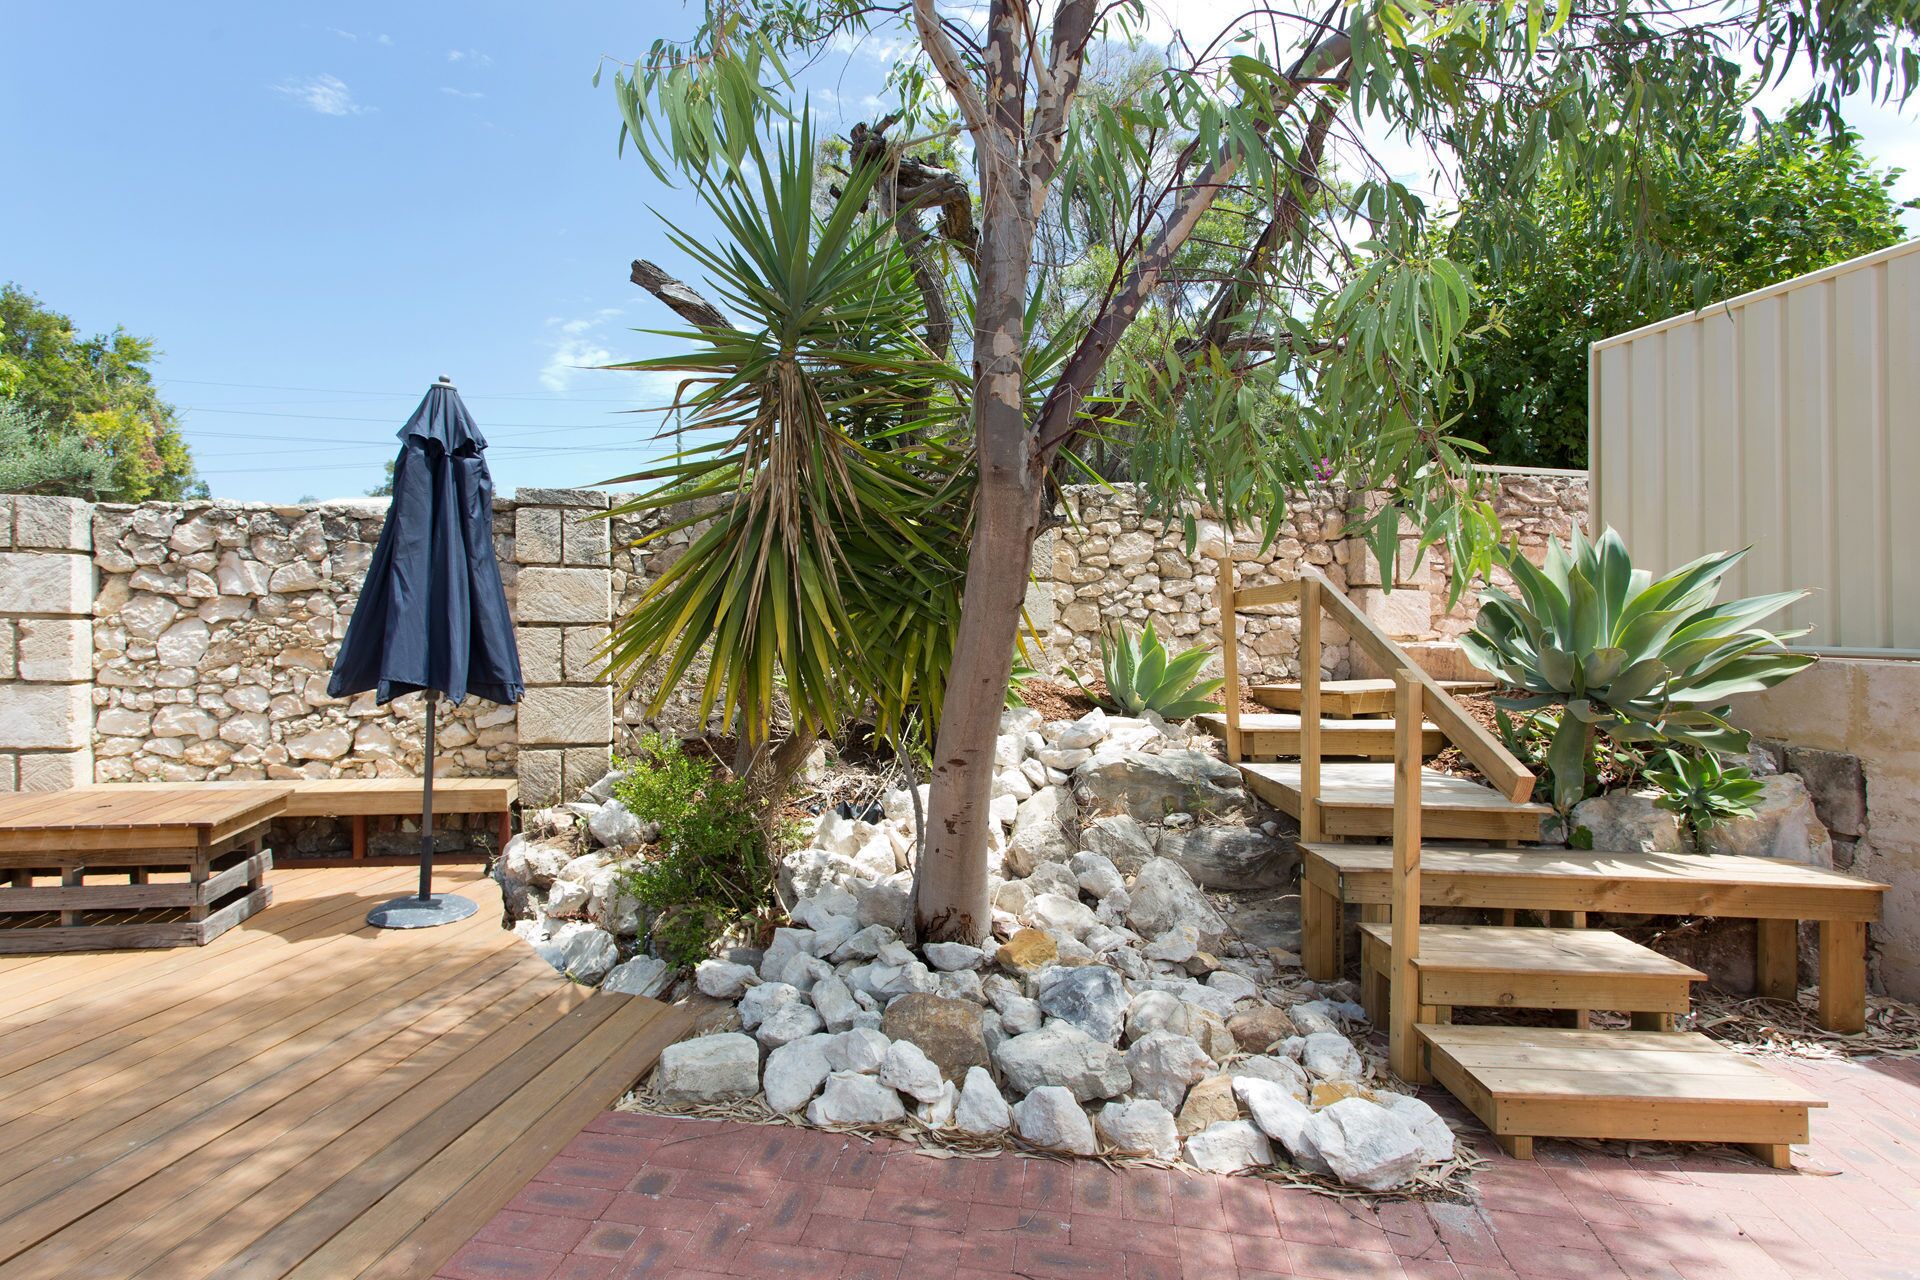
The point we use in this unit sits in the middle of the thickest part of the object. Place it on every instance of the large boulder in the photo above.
(912, 1072)
(1164, 896)
(1365, 1144)
(1062, 1054)
(640, 976)
(583, 952)
(948, 1031)
(1050, 1117)
(1429, 1129)
(1164, 1066)
(1045, 828)
(1783, 825)
(709, 1069)
(1237, 858)
(1629, 822)
(1228, 1147)
(1090, 997)
(1140, 1127)
(1149, 787)
(795, 1071)
(854, 1099)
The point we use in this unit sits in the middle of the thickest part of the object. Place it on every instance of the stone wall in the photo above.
(46, 643)
(1112, 562)
(194, 641)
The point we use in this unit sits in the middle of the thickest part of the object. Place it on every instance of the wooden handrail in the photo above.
(1267, 593)
(1508, 776)
(1403, 983)
(1229, 655)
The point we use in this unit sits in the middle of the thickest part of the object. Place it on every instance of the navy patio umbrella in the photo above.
(432, 616)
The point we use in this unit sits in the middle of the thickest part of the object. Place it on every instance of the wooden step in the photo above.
(1350, 697)
(1356, 799)
(1270, 735)
(1544, 1082)
(1489, 967)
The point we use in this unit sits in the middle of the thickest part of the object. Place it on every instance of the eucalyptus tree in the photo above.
(1345, 299)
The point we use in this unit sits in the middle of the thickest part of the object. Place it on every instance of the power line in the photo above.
(550, 396)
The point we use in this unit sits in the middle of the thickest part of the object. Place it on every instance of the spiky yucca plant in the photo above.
(1142, 677)
(1637, 659)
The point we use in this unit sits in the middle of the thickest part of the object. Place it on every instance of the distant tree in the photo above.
(1756, 206)
(34, 460)
(96, 391)
(385, 488)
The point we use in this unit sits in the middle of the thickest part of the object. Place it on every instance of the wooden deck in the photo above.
(1269, 735)
(1350, 697)
(304, 1096)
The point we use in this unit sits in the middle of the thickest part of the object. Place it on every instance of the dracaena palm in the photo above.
(827, 492)
(1637, 659)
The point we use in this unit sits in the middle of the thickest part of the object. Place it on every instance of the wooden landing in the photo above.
(1270, 735)
(1582, 880)
(1534, 1082)
(1490, 967)
(1350, 697)
(304, 1096)
(1356, 799)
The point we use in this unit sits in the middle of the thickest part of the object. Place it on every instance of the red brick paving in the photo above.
(638, 1195)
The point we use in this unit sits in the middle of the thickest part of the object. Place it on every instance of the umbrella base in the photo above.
(421, 913)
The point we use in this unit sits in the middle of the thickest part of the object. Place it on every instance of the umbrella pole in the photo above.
(426, 803)
(425, 910)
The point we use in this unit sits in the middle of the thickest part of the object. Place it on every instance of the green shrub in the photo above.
(713, 868)
(1637, 660)
(1141, 677)
(1703, 791)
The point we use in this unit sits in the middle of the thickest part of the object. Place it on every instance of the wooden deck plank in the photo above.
(429, 1072)
(1271, 734)
(1350, 697)
(1356, 799)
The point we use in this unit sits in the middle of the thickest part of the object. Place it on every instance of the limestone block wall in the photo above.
(562, 612)
(46, 643)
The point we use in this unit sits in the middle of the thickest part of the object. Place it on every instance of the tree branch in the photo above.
(946, 60)
(684, 300)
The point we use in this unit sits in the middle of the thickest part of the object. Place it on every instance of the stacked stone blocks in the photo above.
(563, 612)
(46, 643)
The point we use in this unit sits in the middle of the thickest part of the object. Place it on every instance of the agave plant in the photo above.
(1141, 677)
(1636, 659)
(1703, 791)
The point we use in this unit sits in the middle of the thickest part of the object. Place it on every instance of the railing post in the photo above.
(1309, 710)
(1229, 655)
(1404, 1051)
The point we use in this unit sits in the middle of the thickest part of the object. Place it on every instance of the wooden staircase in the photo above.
(1523, 1082)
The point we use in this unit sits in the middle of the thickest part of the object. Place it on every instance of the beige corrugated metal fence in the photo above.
(1788, 419)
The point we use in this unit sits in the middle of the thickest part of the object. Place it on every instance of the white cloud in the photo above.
(325, 94)
(383, 38)
(472, 57)
(452, 92)
(577, 347)
(344, 35)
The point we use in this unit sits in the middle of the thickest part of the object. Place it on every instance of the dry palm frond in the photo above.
(1757, 1025)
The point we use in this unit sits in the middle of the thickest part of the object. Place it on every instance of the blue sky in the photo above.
(349, 200)
(317, 209)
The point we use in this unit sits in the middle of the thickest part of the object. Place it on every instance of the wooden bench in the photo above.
(168, 865)
(1778, 895)
(355, 800)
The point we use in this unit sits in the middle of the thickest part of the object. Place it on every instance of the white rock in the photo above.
(938, 1113)
(1328, 1055)
(1313, 1016)
(1091, 997)
(640, 976)
(1285, 1072)
(981, 1109)
(951, 956)
(1164, 896)
(1119, 838)
(834, 1002)
(788, 1023)
(1065, 759)
(1057, 913)
(961, 985)
(909, 1070)
(612, 825)
(1232, 985)
(1089, 730)
(1365, 1144)
(854, 1099)
(1096, 874)
(795, 1072)
(723, 980)
(1429, 1130)
(760, 1002)
(863, 945)
(1043, 829)
(1228, 1146)
(1012, 784)
(567, 898)
(860, 1050)
(1281, 1116)
(581, 951)
(1164, 1066)
(1139, 1127)
(827, 903)
(1050, 1117)
(709, 1069)
(1175, 946)
(803, 972)
(1062, 1054)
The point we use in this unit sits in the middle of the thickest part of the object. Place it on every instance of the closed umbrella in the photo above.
(432, 616)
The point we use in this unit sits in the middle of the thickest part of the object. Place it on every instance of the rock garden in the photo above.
(1139, 997)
